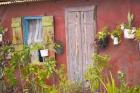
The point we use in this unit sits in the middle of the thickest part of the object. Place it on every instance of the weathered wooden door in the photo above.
(80, 33)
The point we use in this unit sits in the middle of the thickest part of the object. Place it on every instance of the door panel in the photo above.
(74, 45)
(87, 24)
(80, 36)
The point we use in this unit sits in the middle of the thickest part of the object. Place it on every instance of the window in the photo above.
(30, 30)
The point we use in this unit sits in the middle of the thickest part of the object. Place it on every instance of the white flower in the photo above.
(112, 36)
(122, 26)
(119, 72)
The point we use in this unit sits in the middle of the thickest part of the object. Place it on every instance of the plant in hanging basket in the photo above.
(102, 38)
(1, 30)
(1, 33)
(137, 35)
(116, 35)
(59, 48)
(128, 29)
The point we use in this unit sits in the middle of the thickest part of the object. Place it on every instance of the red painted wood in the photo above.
(124, 57)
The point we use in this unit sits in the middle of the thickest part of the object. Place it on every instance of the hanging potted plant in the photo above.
(116, 35)
(129, 31)
(1, 33)
(102, 38)
(59, 48)
(137, 37)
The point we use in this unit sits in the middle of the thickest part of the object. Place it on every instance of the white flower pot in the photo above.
(129, 34)
(115, 41)
(44, 52)
(1, 38)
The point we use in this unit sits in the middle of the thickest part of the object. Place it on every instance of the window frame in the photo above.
(25, 25)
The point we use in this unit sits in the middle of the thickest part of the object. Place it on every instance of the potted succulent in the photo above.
(59, 48)
(102, 38)
(137, 37)
(116, 35)
(129, 31)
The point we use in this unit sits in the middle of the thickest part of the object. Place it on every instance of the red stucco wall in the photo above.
(125, 57)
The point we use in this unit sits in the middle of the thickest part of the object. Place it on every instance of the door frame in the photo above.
(76, 9)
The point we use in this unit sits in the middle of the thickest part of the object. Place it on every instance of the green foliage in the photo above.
(50, 65)
(36, 46)
(58, 45)
(36, 75)
(93, 74)
(1, 29)
(18, 60)
(5, 50)
(99, 60)
(94, 71)
(135, 89)
(10, 78)
(103, 34)
(117, 33)
(66, 86)
(137, 35)
(63, 82)
(110, 85)
(130, 18)
(124, 88)
(58, 48)
(44, 45)
(52, 89)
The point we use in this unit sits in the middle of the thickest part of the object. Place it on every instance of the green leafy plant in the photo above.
(65, 85)
(94, 71)
(17, 62)
(135, 89)
(102, 37)
(110, 84)
(130, 18)
(116, 33)
(36, 75)
(123, 85)
(137, 35)
(58, 48)
(103, 33)
(1, 29)
(5, 51)
(36, 46)
(124, 88)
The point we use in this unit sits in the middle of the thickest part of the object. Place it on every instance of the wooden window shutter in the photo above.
(17, 33)
(48, 31)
